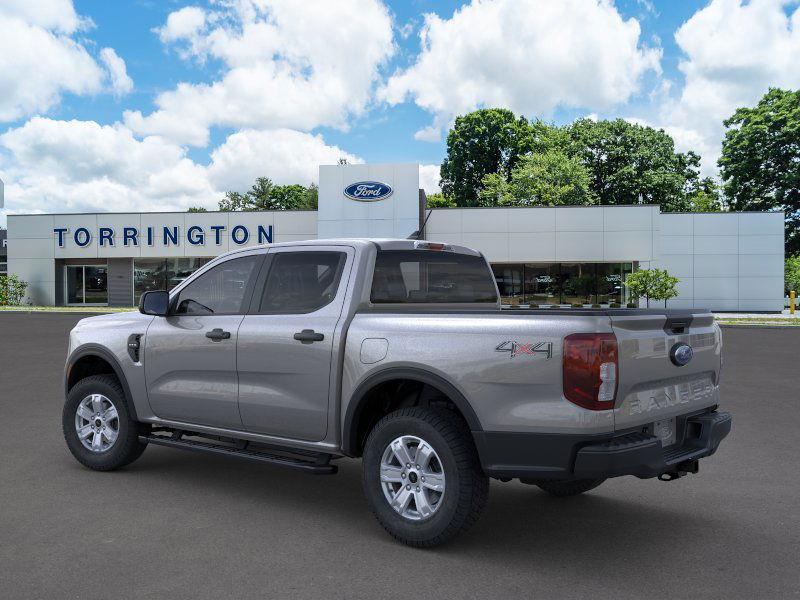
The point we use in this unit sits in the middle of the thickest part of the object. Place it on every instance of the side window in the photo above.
(301, 282)
(220, 290)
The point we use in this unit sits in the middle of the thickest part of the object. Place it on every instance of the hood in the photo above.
(132, 317)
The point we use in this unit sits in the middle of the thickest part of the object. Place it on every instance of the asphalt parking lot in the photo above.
(183, 525)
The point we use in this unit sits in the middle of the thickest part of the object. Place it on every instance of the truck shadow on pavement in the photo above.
(520, 523)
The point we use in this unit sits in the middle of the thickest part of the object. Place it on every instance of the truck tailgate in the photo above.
(651, 386)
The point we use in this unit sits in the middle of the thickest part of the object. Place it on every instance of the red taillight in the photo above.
(590, 370)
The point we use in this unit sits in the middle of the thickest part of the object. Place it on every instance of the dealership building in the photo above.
(540, 256)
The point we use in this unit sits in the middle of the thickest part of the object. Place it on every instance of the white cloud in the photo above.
(57, 15)
(429, 178)
(431, 133)
(286, 65)
(528, 55)
(283, 155)
(183, 24)
(65, 166)
(121, 83)
(734, 51)
(41, 58)
(72, 166)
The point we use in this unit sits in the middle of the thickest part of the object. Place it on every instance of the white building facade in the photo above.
(540, 256)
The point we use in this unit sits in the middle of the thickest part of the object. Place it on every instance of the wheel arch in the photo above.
(361, 397)
(91, 359)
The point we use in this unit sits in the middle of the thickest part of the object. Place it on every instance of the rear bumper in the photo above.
(558, 456)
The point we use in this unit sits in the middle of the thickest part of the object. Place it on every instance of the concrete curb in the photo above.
(754, 326)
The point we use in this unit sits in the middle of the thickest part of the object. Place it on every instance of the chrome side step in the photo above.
(318, 464)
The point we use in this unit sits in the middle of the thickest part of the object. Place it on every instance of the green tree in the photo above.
(259, 197)
(234, 201)
(439, 200)
(627, 161)
(485, 141)
(311, 197)
(652, 284)
(197, 209)
(706, 197)
(495, 190)
(760, 162)
(791, 276)
(549, 179)
(12, 290)
(265, 195)
(288, 197)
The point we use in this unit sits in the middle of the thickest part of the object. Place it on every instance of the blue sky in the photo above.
(145, 104)
(127, 26)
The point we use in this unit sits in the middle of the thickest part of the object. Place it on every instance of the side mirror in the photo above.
(154, 303)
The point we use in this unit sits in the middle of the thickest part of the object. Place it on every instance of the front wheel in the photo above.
(98, 427)
(422, 476)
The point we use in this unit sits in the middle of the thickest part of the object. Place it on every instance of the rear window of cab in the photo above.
(424, 276)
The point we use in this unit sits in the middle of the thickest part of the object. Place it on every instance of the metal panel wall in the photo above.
(560, 234)
(725, 261)
(120, 281)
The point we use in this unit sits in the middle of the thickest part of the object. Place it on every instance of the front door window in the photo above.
(87, 284)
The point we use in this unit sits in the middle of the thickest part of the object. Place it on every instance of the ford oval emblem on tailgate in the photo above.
(681, 354)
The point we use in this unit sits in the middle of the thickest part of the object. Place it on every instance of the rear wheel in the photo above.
(97, 425)
(422, 476)
(571, 487)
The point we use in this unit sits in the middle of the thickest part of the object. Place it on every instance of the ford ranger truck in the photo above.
(396, 352)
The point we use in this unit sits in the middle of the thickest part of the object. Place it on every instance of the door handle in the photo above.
(308, 335)
(217, 335)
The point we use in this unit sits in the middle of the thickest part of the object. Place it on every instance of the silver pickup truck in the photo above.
(398, 352)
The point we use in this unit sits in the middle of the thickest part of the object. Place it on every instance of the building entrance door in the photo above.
(86, 284)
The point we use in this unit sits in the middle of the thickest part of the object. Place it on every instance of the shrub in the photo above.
(12, 290)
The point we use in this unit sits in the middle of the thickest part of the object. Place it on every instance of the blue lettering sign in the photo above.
(171, 235)
(195, 235)
(82, 237)
(217, 229)
(130, 234)
(106, 235)
(265, 235)
(243, 238)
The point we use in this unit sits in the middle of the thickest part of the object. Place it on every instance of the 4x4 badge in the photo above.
(516, 348)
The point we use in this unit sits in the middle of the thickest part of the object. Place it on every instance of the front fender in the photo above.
(101, 352)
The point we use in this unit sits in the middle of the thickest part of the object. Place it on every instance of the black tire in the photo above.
(127, 447)
(466, 485)
(570, 487)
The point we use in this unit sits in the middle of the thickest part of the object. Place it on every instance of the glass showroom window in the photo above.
(611, 282)
(578, 283)
(87, 284)
(542, 284)
(509, 282)
(162, 273)
(563, 283)
(148, 274)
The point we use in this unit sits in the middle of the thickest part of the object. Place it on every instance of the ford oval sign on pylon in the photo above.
(368, 191)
